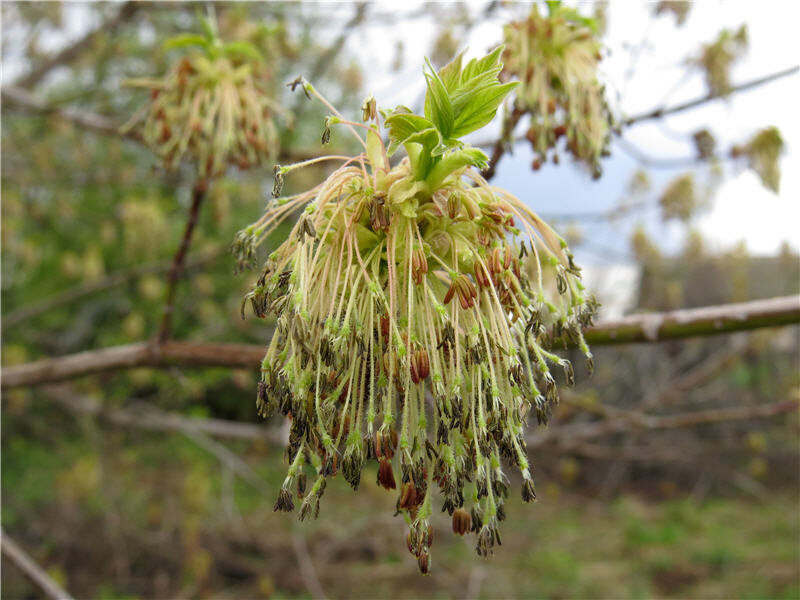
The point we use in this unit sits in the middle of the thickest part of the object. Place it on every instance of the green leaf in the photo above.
(406, 128)
(458, 159)
(477, 67)
(480, 109)
(186, 40)
(209, 28)
(451, 73)
(438, 107)
(242, 50)
(375, 150)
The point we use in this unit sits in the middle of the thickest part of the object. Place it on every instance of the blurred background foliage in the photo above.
(89, 225)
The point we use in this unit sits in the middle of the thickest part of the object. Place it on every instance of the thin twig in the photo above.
(175, 272)
(307, 569)
(238, 466)
(100, 124)
(22, 98)
(650, 327)
(36, 574)
(145, 416)
(671, 110)
(501, 145)
(623, 421)
(696, 376)
(34, 309)
(330, 53)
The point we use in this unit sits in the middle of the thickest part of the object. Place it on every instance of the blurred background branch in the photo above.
(21, 560)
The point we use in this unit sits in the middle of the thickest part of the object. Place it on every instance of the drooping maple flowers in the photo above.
(415, 307)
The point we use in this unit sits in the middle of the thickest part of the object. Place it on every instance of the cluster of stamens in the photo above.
(412, 329)
(213, 110)
(556, 57)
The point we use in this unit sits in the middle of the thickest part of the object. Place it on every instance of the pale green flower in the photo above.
(414, 314)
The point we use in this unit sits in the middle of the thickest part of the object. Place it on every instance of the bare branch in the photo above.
(697, 376)
(707, 320)
(74, 50)
(176, 271)
(500, 146)
(238, 466)
(622, 421)
(330, 53)
(22, 314)
(145, 416)
(670, 110)
(95, 123)
(652, 327)
(307, 570)
(143, 354)
(22, 98)
(36, 574)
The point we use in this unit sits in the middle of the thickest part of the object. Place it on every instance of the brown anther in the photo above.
(378, 215)
(450, 292)
(386, 475)
(385, 328)
(385, 443)
(453, 206)
(408, 497)
(466, 292)
(420, 366)
(423, 562)
(481, 276)
(419, 265)
(495, 261)
(462, 521)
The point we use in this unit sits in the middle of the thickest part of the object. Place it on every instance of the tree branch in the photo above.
(500, 145)
(670, 110)
(144, 416)
(95, 123)
(653, 327)
(23, 99)
(691, 322)
(74, 50)
(326, 57)
(175, 272)
(499, 148)
(621, 421)
(36, 574)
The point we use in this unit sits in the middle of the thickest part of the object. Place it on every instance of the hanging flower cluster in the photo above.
(415, 309)
(716, 59)
(212, 107)
(679, 200)
(679, 9)
(762, 153)
(556, 57)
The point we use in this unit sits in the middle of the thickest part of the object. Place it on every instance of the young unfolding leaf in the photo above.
(459, 100)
